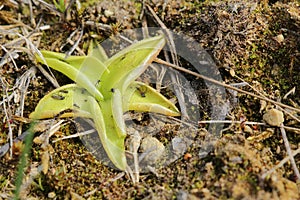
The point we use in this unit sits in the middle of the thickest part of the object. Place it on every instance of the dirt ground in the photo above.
(254, 41)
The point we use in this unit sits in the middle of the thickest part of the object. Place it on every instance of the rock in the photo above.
(152, 148)
(279, 38)
(248, 129)
(178, 145)
(273, 117)
(51, 195)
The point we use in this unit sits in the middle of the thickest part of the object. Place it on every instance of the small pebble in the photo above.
(273, 117)
(108, 13)
(248, 129)
(51, 195)
(178, 145)
(279, 38)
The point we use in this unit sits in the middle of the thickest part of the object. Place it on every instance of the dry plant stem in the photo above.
(296, 130)
(292, 91)
(289, 151)
(136, 141)
(68, 40)
(69, 5)
(283, 110)
(34, 49)
(54, 129)
(174, 74)
(280, 164)
(35, 171)
(49, 6)
(225, 85)
(10, 56)
(22, 86)
(15, 26)
(75, 135)
(171, 43)
(9, 27)
(144, 24)
(142, 16)
(48, 76)
(10, 134)
(75, 45)
(16, 43)
(232, 122)
(117, 177)
(160, 75)
(125, 38)
(289, 114)
(31, 14)
(28, 182)
(131, 174)
(19, 41)
(160, 78)
(100, 26)
(86, 195)
(39, 127)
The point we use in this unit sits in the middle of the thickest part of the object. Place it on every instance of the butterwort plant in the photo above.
(104, 89)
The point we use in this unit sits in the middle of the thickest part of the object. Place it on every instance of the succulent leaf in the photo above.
(144, 98)
(111, 137)
(134, 58)
(74, 74)
(105, 88)
(61, 102)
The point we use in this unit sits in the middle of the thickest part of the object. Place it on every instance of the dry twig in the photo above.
(226, 85)
(289, 152)
(174, 74)
(280, 164)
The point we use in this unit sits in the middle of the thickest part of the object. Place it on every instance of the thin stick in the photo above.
(144, 25)
(280, 164)
(75, 45)
(7, 116)
(134, 146)
(247, 123)
(10, 56)
(296, 130)
(289, 151)
(54, 129)
(225, 85)
(283, 110)
(232, 122)
(174, 74)
(101, 26)
(159, 76)
(171, 43)
(50, 7)
(75, 135)
(31, 14)
(31, 46)
(190, 124)
(38, 127)
(22, 85)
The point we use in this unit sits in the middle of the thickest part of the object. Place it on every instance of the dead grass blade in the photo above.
(8, 116)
